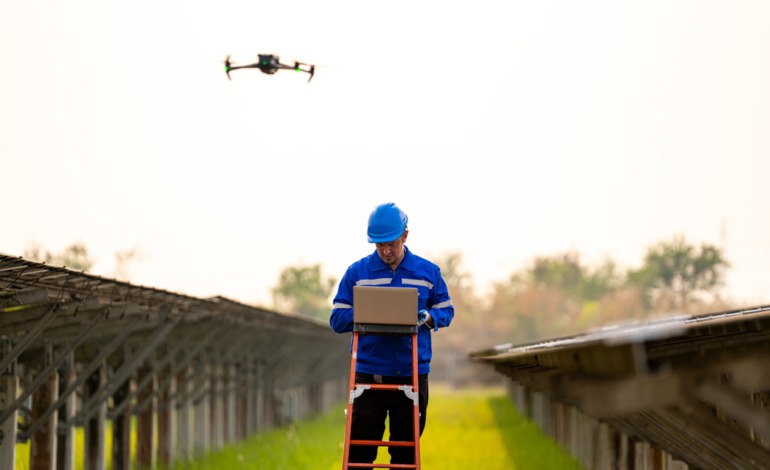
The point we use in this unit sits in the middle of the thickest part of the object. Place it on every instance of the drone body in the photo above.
(269, 64)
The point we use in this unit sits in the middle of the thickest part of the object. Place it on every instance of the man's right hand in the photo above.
(423, 316)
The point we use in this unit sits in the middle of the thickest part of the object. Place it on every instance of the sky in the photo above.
(505, 130)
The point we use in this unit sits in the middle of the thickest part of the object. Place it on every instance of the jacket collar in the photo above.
(408, 263)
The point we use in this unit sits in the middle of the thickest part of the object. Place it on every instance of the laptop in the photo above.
(385, 305)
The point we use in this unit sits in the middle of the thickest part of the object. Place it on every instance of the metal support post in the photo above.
(241, 400)
(43, 443)
(66, 401)
(252, 398)
(166, 423)
(145, 423)
(261, 399)
(231, 387)
(203, 411)
(126, 370)
(184, 413)
(121, 423)
(9, 390)
(95, 428)
(217, 406)
(46, 372)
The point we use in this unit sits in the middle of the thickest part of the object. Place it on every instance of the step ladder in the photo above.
(357, 389)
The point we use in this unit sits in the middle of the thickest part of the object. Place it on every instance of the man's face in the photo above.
(391, 253)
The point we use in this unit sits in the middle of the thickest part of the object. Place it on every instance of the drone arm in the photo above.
(250, 66)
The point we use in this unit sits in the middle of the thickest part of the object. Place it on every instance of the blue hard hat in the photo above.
(386, 223)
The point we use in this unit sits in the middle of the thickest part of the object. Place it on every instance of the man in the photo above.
(388, 359)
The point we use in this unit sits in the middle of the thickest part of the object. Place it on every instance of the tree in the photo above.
(563, 272)
(122, 260)
(675, 272)
(566, 273)
(452, 270)
(459, 282)
(470, 330)
(601, 281)
(556, 296)
(74, 256)
(302, 289)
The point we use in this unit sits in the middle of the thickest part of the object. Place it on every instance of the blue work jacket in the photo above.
(392, 355)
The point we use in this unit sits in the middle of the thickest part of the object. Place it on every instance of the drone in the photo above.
(269, 64)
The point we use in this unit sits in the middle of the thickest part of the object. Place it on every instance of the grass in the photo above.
(477, 429)
(481, 429)
(23, 448)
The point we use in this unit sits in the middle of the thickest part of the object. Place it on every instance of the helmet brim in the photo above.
(385, 238)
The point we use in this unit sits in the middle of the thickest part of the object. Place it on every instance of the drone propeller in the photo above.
(227, 67)
(311, 70)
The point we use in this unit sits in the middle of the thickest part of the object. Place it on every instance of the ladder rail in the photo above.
(356, 390)
(416, 391)
(349, 413)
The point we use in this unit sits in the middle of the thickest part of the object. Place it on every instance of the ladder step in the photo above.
(382, 386)
(361, 442)
(381, 465)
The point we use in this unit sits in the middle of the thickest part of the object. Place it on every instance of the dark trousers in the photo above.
(373, 406)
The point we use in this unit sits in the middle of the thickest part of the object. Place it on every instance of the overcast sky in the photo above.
(505, 130)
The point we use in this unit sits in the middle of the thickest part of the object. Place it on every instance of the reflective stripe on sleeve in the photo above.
(342, 306)
(445, 304)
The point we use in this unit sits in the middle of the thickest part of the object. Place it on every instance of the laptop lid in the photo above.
(385, 305)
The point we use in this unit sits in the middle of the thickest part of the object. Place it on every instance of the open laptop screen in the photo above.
(385, 305)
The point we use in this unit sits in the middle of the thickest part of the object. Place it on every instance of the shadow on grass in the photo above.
(525, 442)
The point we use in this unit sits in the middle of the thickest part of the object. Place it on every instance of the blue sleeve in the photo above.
(440, 305)
(341, 320)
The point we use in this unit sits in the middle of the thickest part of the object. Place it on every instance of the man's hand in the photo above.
(423, 317)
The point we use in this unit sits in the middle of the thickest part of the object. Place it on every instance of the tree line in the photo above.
(76, 257)
(551, 297)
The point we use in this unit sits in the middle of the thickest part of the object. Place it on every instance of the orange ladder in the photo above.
(356, 389)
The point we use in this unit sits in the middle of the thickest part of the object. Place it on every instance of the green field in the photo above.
(478, 429)
(467, 429)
